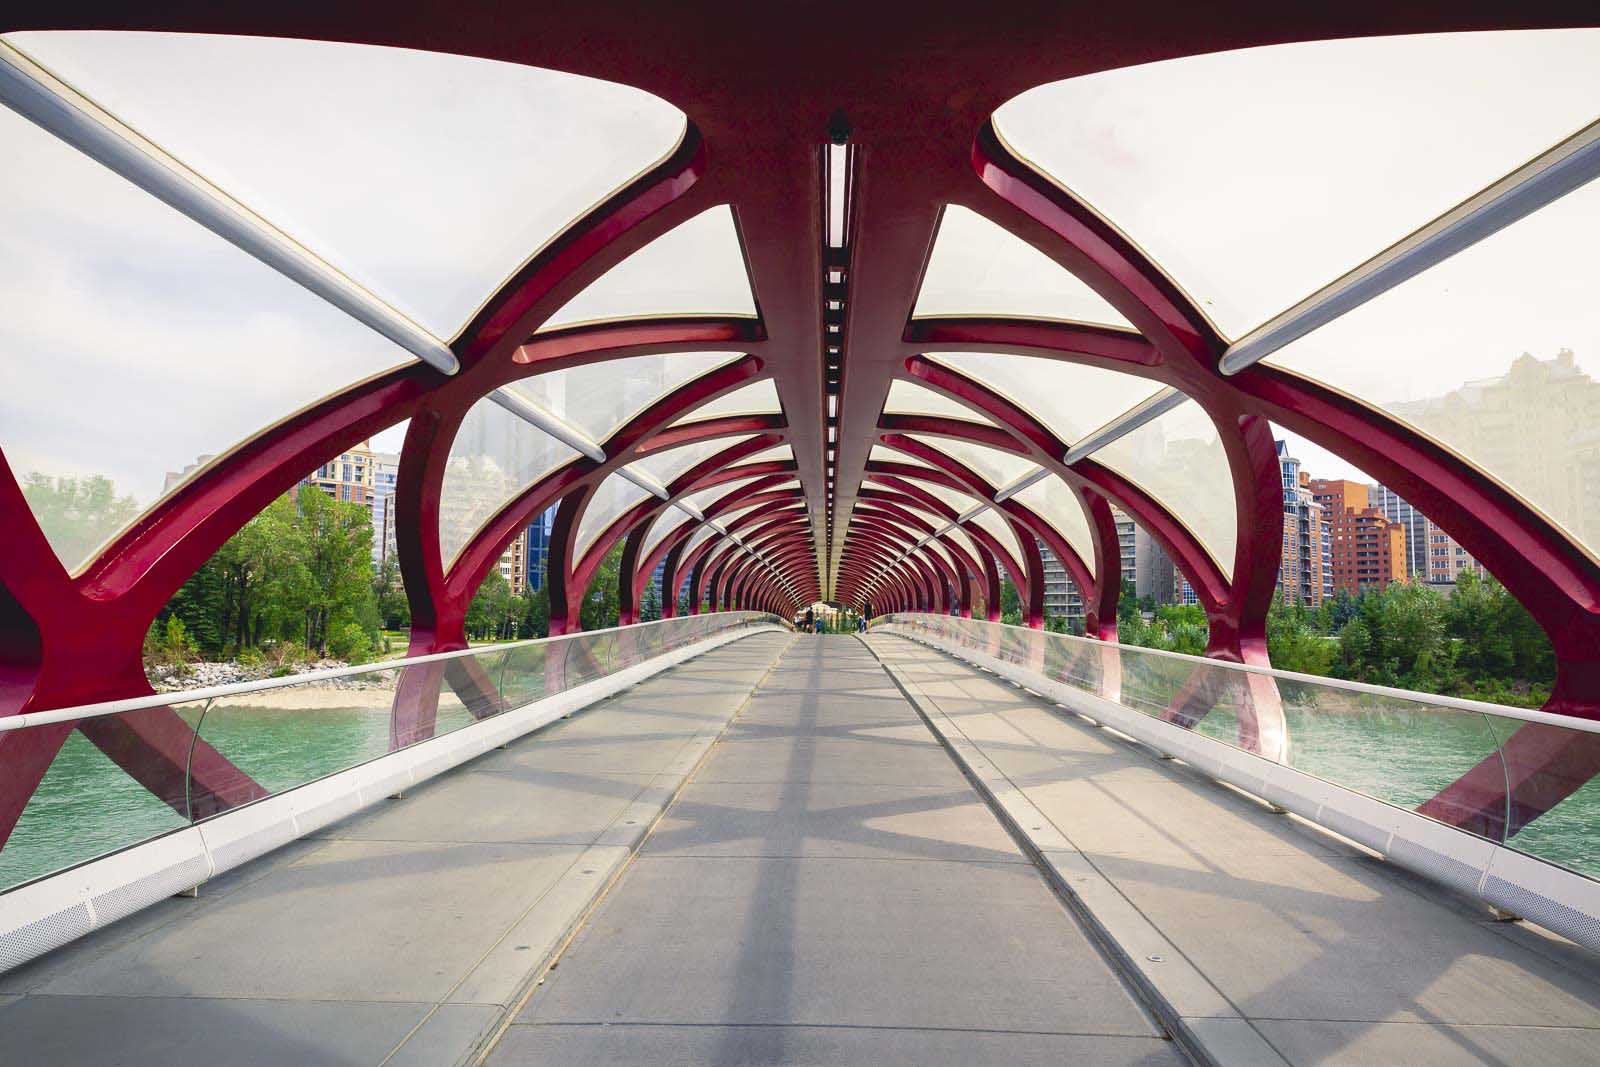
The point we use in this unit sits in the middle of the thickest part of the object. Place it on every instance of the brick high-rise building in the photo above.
(1368, 550)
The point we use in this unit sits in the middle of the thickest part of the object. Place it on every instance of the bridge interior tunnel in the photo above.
(890, 312)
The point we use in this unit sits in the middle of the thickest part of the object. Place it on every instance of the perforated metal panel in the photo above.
(30, 940)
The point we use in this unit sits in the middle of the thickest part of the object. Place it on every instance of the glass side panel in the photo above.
(615, 495)
(992, 465)
(600, 397)
(495, 456)
(1069, 398)
(300, 131)
(282, 738)
(1054, 502)
(995, 524)
(696, 268)
(1178, 460)
(977, 268)
(668, 465)
(1355, 144)
(1556, 769)
(136, 347)
(909, 398)
(86, 806)
(1493, 354)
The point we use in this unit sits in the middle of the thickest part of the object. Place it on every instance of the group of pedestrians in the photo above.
(810, 624)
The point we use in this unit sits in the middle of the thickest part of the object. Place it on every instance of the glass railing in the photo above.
(1523, 779)
(161, 763)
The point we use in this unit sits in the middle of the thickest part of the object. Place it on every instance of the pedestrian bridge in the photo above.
(771, 847)
(683, 320)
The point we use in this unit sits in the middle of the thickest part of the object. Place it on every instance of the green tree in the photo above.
(394, 610)
(78, 515)
(490, 609)
(650, 603)
(1294, 643)
(338, 565)
(601, 605)
(535, 613)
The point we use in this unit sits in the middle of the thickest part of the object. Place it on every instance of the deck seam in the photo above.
(1195, 1035)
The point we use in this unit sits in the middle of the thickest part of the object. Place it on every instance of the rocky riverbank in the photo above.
(173, 678)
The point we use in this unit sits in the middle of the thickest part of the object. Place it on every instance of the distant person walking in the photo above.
(810, 625)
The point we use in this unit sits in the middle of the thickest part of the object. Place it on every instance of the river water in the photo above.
(86, 806)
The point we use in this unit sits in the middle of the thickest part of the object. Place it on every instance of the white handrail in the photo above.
(1482, 707)
(189, 696)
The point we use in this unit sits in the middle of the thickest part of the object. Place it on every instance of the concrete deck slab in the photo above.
(830, 888)
(1323, 950)
(195, 1030)
(413, 926)
(832, 761)
(882, 821)
(760, 1046)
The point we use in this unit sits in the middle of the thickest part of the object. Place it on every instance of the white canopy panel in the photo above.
(696, 268)
(977, 268)
(480, 163)
(1339, 149)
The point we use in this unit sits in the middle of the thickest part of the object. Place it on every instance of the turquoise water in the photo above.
(86, 806)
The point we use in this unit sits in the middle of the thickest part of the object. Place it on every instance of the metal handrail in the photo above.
(1482, 707)
(185, 696)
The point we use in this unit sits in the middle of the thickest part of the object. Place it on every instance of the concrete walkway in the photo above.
(403, 934)
(829, 888)
(1325, 951)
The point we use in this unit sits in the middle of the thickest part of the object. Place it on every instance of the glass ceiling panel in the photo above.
(495, 456)
(614, 496)
(598, 398)
(885, 454)
(696, 268)
(920, 510)
(696, 539)
(991, 464)
(995, 524)
(665, 467)
(963, 540)
(757, 398)
(1070, 398)
(304, 131)
(934, 548)
(1178, 459)
(1493, 354)
(704, 498)
(775, 453)
(136, 346)
(1351, 145)
(668, 521)
(1053, 501)
(909, 398)
(977, 268)
(961, 502)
